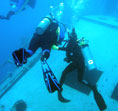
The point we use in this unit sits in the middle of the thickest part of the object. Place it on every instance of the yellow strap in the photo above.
(54, 47)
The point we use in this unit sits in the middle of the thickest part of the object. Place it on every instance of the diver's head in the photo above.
(72, 35)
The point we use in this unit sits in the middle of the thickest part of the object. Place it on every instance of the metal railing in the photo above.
(14, 76)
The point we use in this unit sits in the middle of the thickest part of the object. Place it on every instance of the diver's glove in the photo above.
(20, 57)
(54, 47)
(82, 41)
(45, 54)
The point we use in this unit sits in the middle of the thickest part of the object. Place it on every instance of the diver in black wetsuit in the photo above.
(17, 6)
(75, 57)
(49, 33)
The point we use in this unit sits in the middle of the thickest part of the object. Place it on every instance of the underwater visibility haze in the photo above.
(58, 55)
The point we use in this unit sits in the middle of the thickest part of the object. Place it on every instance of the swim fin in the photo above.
(51, 82)
(20, 57)
(61, 98)
(99, 99)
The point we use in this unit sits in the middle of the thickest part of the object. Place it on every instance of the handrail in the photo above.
(8, 61)
(18, 73)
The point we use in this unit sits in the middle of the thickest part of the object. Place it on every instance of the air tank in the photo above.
(43, 25)
(89, 61)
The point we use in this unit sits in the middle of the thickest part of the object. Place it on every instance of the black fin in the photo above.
(19, 57)
(49, 78)
(99, 99)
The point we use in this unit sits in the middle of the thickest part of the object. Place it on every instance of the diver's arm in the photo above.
(82, 41)
(62, 48)
(54, 47)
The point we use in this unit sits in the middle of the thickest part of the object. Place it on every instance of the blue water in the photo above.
(92, 18)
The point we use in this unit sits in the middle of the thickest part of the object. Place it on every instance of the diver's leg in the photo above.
(35, 43)
(98, 98)
(80, 74)
(68, 69)
(80, 70)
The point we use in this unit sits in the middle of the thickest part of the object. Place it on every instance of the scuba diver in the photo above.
(17, 6)
(49, 33)
(75, 57)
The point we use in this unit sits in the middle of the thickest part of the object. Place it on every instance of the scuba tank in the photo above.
(89, 61)
(43, 25)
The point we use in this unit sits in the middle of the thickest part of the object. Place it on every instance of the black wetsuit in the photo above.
(75, 56)
(46, 40)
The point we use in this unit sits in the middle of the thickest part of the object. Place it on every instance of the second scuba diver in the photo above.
(75, 57)
(17, 6)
